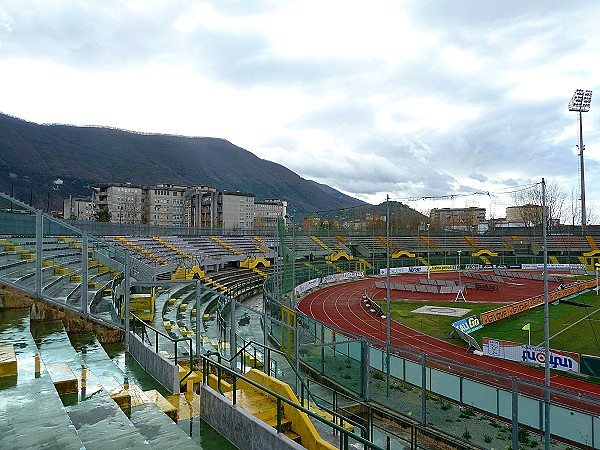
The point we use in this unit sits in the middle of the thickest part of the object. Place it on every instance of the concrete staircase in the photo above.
(68, 394)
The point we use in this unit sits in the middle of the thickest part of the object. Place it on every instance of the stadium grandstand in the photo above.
(212, 317)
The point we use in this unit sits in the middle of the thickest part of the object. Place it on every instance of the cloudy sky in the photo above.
(406, 98)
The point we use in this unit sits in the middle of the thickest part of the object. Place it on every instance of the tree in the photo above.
(103, 215)
(574, 210)
(131, 208)
(529, 204)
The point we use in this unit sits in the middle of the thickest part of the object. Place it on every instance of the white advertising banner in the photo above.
(398, 270)
(550, 266)
(342, 276)
(307, 285)
(531, 354)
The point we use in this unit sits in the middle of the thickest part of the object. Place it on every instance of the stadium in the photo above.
(286, 337)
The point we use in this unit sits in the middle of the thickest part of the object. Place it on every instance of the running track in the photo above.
(341, 305)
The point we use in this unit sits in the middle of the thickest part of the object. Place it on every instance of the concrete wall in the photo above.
(45, 311)
(163, 370)
(240, 427)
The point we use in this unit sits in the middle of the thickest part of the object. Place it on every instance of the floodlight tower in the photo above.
(581, 102)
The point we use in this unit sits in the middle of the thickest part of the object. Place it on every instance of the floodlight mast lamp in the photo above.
(581, 102)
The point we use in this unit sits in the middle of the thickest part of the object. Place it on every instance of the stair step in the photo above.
(293, 436)
(63, 378)
(160, 401)
(8, 360)
(158, 429)
(286, 424)
(110, 376)
(256, 403)
(326, 415)
(187, 404)
(35, 418)
(100, 423)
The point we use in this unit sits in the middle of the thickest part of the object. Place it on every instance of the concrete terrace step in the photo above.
(256, 403)
(31, 410)
(110, 376)
(158, 429)
(8, 360)
(99, 420)
(63, 378)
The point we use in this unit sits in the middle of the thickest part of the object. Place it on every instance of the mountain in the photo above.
(43, 164)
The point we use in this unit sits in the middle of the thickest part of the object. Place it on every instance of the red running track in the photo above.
(341, 305)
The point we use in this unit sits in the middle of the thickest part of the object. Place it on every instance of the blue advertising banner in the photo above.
(468, 325)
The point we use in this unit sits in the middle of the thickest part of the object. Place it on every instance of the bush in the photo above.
(523, 436)
(466, 435)
(377, 375)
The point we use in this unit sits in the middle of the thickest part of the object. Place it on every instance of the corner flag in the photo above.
(526, 327)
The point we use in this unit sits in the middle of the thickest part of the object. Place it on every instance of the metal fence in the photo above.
(422, 384)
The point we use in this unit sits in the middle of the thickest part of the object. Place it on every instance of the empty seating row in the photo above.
(484, 276)
(528, 275)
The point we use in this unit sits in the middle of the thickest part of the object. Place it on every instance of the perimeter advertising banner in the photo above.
(418, 269)
(468, 325)
(336, 277)
(531, 354)
(342, 276)
(552, 266)
(397, 270)
(515, 308)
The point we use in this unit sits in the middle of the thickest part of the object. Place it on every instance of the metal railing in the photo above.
(175, 341)
(345, 435)
(305, 393)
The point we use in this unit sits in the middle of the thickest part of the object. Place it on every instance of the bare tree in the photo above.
(131, 208)
(529, 204)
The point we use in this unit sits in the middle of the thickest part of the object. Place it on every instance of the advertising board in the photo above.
(531, 354)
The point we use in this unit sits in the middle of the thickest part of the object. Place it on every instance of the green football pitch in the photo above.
(574, 326)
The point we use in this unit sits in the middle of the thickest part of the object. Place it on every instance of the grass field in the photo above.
(572, 328)
(430, 324)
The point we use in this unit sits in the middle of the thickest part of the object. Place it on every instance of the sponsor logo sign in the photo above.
(531, 354)
(440, 268)
(398, 270)
(342, 276)
(468, 325)
(307, 285)
(541, 266)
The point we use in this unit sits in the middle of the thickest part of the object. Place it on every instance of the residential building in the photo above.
(178, 206)
(78, 208)
(163, 205)
(528, 215)
(202, 207)
(268, 212)
(122, 200)
(463, 219)
(238, 210)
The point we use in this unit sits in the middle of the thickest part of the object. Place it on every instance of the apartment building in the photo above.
(78, 208)
(177, 206)
(202, 207)
(266, 213)
(123, 201)
(238, 210)
(463, 219)
(163, 205)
